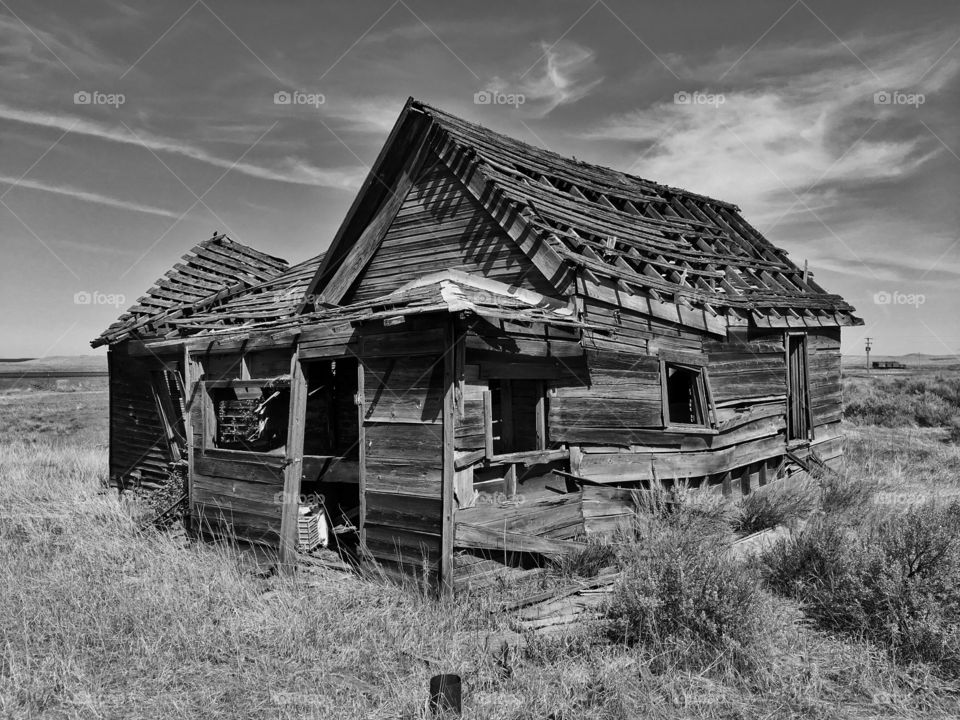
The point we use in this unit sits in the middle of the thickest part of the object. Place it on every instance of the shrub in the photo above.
(587, 561)
(954, 435)
(931, 410)
(781, 503)
(686, 602)
(923, 401)
(894, 580)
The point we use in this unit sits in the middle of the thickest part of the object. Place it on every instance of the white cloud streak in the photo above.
(85, 196)
(291, 169)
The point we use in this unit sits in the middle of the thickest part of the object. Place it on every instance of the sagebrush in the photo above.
(684, 602)
(894, 580)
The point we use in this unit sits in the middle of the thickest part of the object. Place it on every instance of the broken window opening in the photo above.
(516, 417)
(685, 395)
(250, 418)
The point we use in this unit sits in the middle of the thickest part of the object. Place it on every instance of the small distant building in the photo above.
(888, 365)
(499, 343)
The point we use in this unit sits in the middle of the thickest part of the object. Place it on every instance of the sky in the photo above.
(130, 131)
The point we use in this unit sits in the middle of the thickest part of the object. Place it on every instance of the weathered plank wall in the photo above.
(826, 393)
(138, 441)
(440, 227)
(403, 438)
(747, 368)
(617, 421)
(623, 397)
(826, 398)
(628, 331)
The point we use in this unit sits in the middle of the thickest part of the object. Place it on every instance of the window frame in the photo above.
(540, 419)
(209, 415)
(696, 363)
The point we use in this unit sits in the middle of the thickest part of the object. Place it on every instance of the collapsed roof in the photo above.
(674, 254)
(213, 271)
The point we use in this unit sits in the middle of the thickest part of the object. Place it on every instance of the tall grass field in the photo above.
(854, 612)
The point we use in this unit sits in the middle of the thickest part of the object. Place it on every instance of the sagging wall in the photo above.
(605, 399)
(146, 436)
(621, 436)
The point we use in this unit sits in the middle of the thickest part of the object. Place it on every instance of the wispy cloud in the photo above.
(565, 73)
(86, 196)
(375, 115)
(775, 135)
(288, 170)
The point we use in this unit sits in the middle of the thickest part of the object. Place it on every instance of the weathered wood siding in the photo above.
(826, 397)
(139, 449)
(440, 227)
(403, 381)
(617, 420)
(623, 396)
(747, 368)
(628, 331)
(237, 495)
(826, 393)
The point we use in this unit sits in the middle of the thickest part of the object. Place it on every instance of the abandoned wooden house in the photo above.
(497, 345)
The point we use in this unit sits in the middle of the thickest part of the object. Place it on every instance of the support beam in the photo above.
(450, 372)
(294, 465)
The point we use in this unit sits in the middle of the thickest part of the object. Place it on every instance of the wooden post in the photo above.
(541, 416)
(362, 455)
(726, 484)
(447, 492)
(745, 480)
(510, 480)
(294, 464)
(189, 377)
(445, 695)
(488, 424)
(112, 414)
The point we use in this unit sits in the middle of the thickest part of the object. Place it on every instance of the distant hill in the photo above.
(55, 365)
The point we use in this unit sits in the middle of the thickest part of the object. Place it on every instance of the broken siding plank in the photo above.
(484, 538)
(632, 467)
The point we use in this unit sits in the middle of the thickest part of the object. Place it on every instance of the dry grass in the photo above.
(101, 619)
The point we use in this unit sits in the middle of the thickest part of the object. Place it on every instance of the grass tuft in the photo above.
(785, 502)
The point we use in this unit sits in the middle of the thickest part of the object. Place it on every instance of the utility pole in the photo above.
(869, 340)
